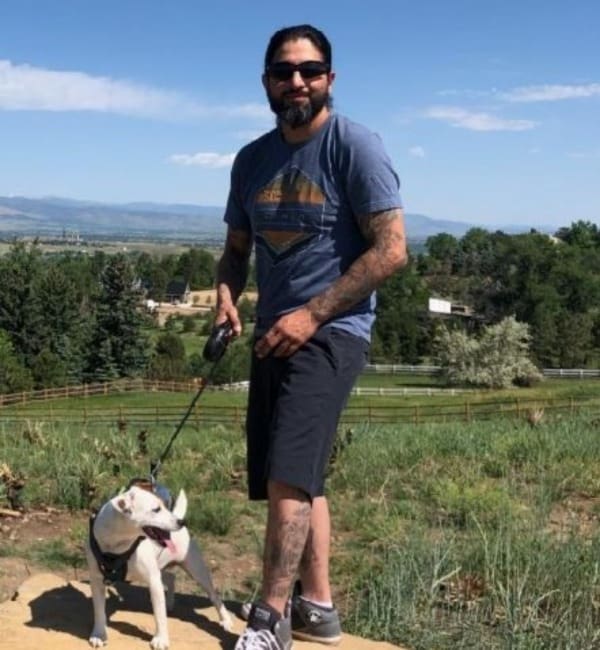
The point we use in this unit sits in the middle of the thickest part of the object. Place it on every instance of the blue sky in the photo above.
(489, 109)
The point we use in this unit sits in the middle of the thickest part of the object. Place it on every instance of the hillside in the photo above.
(54, 216)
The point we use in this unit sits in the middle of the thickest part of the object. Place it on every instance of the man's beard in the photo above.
(297, 115)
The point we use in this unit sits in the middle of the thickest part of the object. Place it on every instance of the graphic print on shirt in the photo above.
(288, 214)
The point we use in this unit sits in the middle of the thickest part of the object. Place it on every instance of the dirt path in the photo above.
(52, 610)
(52, 613)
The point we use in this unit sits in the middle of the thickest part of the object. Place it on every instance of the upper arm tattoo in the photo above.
(378, 226)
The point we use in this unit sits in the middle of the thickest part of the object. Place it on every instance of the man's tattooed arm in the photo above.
(232, 273)
(384, 231)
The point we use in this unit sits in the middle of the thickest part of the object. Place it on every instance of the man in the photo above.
(318, 198)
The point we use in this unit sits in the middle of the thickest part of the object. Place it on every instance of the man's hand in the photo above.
(229, 312)
(288, 334)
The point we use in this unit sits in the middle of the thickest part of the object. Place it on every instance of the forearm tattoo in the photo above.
(384, 231)
(232, 269)
(283, 551)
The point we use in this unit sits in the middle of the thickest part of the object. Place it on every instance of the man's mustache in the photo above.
(295, 93)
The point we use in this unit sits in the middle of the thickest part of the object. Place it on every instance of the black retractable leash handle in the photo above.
(214, 349)
(217, 342)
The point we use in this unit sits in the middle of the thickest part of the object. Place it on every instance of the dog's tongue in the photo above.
(163, 537)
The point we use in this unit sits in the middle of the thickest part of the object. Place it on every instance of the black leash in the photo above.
(214, 350)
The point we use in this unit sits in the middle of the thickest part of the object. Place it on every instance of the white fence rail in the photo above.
(372, 390)
(400, 369)
(573, 373)
(404, 369)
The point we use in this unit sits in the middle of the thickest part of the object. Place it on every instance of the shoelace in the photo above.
(257, 640)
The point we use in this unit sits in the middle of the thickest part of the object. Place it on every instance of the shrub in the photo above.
(499, 358)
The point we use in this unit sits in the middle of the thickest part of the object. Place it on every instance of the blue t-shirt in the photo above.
(300, 201)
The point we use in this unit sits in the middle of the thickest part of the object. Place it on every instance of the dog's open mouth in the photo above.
(163, 537)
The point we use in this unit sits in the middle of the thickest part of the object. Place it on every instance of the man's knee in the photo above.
(277, 491)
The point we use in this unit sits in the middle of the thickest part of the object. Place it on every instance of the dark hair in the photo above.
(314, 35)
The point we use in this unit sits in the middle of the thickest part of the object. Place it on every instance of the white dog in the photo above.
(135, 536)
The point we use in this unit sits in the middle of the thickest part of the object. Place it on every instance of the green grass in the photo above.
(449, 535)
(56, 554)
(434, 509)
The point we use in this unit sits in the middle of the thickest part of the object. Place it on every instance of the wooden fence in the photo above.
(112, 388)
(465, 410)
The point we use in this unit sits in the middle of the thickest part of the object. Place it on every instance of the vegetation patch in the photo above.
(472, 535)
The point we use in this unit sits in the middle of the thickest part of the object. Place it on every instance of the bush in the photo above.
(189, 324)
(499, 358)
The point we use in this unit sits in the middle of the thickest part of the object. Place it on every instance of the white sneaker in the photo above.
(259, 640)
(266, 630)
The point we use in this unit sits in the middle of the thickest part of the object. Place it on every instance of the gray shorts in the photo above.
(294, 407)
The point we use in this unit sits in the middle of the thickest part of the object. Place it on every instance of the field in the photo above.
(108, 246)
(446, 535)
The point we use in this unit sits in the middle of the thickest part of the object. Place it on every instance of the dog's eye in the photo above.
(156, 510)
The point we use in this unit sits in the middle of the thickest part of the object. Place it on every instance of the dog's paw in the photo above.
(97, 640)
(226, 620)
(159, 643)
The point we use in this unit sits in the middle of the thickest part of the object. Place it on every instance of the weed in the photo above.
(213, 513)
(55, 554)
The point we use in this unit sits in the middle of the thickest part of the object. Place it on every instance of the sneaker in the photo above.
(266, 630)
(245, 610)
(312, 622)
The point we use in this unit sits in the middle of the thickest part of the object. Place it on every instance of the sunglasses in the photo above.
(284, 70)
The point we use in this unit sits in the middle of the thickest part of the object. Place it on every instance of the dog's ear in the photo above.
(180, 507)
(124, 502)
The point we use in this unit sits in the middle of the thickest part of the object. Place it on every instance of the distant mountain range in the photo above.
(54, 216)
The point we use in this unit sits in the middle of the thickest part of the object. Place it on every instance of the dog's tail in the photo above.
(180, 507)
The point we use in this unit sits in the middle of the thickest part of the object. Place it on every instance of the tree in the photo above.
(401, 326)
(168, 361)
(158, 279)
(14, 377)
(118, 347)
(442, 250)
(65, 327)
(582, 234)
(21, 313)
(574, 340)
(198, 268)
(544, 320)
(475, 253)
(49, 370)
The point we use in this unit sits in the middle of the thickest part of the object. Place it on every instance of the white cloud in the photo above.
(24, 87)
(464, 119)
(203, 159)
(551, 92)
(417, 152)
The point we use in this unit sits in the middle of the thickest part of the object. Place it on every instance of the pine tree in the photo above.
(21, 312)
(118, 347)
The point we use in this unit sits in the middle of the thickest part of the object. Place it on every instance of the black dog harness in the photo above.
(113, 566)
